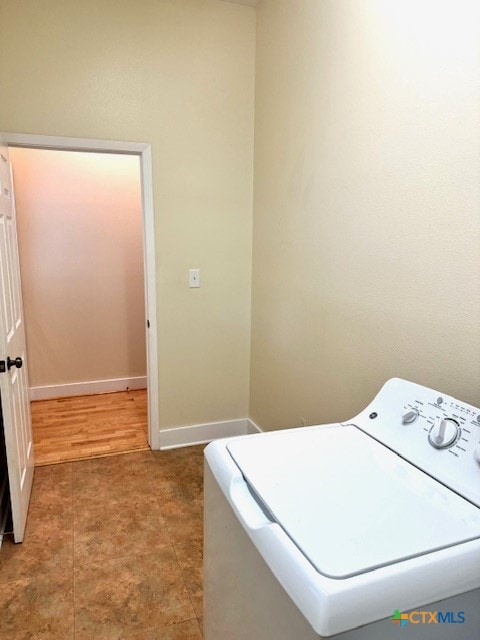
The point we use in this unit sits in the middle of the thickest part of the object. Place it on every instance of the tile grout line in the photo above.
(74, 490)
(172, 544)
(68, 486)
(143, 464)
(126, 555)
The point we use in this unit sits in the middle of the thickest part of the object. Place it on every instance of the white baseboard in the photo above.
(89, 388)
(253, 427)
(203, 433)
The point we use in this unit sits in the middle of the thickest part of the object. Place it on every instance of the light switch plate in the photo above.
(194, 278)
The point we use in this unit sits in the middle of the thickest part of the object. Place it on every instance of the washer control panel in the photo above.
(433, 431)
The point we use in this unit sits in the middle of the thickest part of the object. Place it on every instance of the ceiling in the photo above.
(251, 3)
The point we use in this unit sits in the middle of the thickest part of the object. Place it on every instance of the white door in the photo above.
(13, 365)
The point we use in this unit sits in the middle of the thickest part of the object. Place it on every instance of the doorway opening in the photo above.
(88, 270)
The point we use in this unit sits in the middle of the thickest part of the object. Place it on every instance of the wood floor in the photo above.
(89, 426)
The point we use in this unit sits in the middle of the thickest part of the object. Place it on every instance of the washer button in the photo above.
(410, 416)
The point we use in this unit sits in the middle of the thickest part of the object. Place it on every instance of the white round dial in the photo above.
(409, 416)
(443, 433)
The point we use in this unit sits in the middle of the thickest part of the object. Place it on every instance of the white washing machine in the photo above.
(366, 530)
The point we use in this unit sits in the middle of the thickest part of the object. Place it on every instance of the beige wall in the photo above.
(180, 75)
(366, 205)
(366, 252)
(80, 238)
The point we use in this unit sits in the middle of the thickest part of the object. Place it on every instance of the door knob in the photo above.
(18, 362)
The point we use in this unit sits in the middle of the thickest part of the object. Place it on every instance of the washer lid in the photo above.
(349, 503)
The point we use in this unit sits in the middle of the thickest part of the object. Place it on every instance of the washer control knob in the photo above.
(476, 454)
(409, 416)
(443, 433)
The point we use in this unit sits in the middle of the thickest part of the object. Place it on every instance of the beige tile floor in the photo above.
(113, 550)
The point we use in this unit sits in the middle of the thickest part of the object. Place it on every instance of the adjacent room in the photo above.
(232, 222)
(80, 237)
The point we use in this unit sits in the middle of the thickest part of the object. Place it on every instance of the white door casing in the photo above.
(14, 378)
(144, 151)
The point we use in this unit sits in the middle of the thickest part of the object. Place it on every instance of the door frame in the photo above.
(144, 151)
